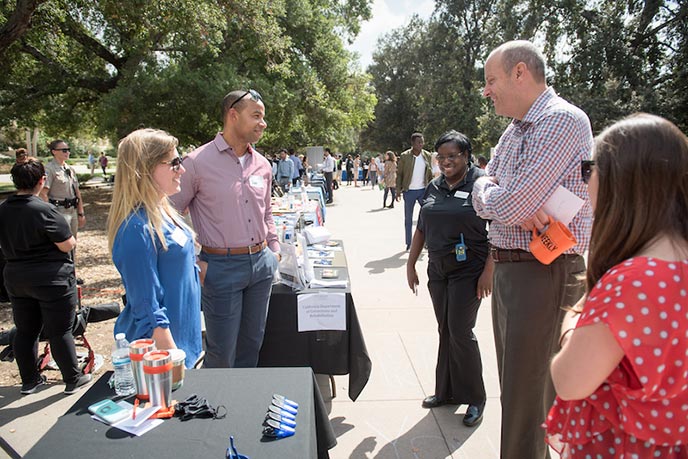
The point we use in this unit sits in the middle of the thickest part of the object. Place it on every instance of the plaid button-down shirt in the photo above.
(533, 157)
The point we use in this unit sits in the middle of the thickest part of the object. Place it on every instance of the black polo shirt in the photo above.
(29, 229)
(446, 214)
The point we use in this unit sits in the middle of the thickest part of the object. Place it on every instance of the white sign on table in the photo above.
(321, 311)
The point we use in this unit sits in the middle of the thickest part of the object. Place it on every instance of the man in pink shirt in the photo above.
(227, 187)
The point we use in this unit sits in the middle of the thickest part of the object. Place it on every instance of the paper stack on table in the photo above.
(138, 425)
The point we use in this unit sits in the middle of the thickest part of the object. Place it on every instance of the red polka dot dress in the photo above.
(641, 410)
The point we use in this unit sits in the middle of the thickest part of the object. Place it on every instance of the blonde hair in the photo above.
(138, 154)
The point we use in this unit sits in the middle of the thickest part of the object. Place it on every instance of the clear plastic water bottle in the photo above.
(124, 378)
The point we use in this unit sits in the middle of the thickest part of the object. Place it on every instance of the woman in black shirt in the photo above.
(36, 241)
(459, 274)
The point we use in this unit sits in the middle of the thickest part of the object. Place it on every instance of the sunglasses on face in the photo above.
(175, 163)
(586, 170)
(254, 96)
(63, 150)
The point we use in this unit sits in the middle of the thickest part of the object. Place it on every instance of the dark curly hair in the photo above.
(27, 174)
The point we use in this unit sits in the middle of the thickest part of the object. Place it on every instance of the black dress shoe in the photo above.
(474, 414)
(432, 402)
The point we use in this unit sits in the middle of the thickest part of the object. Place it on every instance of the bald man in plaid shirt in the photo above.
(540, 150)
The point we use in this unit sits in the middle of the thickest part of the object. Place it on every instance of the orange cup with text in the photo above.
(554, 241)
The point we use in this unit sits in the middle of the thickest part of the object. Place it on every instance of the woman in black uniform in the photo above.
(36, 242)
(459, 274)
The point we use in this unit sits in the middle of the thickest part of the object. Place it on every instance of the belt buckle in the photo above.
(255, 246)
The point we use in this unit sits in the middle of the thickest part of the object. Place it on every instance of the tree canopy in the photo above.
(610, 58)
(106, 67)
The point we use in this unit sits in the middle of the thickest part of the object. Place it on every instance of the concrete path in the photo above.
(387, 421)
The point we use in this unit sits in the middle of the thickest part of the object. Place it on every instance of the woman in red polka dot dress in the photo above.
(622, 373)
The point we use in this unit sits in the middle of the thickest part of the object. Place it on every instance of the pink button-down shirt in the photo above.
(229, 204)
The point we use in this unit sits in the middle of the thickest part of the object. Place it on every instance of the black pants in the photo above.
(459, 371)
(50, 309)
(394, 195)
(527, 310)
(3, 290)
(328, 186)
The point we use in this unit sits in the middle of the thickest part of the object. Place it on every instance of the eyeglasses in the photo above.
(254, 96)
(451, 158)
(586, 169)
(63, 150)
(175, 163)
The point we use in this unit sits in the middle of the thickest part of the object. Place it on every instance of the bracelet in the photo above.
(80, 214)
(563, 335)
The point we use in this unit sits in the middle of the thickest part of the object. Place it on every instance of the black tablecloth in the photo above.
(327, 352)
(246, 393)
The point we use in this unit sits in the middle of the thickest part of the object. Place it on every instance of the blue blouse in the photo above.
(162, 286)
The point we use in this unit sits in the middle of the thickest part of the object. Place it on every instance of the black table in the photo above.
(246, 393)
(329, 352)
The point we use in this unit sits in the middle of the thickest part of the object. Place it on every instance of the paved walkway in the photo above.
(387, 421)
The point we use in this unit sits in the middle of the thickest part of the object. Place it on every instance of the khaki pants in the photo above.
(72, 218)
(527, 304)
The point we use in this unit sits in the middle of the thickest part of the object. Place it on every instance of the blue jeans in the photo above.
(235, 298)
(410, 199)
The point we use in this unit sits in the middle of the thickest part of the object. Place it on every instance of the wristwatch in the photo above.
(80, 214)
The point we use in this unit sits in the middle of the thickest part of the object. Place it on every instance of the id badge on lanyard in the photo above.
(460, 250)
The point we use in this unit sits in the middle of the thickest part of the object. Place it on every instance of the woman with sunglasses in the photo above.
(62, 186)
(152, 247)
(459, 275)
(621, 373)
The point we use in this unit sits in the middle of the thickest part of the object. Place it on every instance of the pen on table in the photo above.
(136, 404)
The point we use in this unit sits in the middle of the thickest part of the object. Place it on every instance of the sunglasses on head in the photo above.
(175, 163)
(254, 96)
(586, 169)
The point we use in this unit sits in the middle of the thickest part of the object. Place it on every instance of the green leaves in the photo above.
(113, 65)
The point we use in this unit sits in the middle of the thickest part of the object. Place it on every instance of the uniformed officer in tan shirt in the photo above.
(62, 186)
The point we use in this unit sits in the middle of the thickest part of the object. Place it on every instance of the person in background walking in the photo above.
(297, 172)
(103, 160)
(328, 170)
(349, 166)
(285, 170)
(36, 242)
(390, 178)
(337, 172)
(372, 172)
(91, 162)
(357, 165)
(414, 172)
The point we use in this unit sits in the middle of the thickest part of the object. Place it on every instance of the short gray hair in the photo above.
(524, 51)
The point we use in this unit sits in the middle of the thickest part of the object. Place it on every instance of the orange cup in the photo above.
(554, 241)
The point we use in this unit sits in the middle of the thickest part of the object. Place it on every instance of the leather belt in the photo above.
(510, 255)
(66, 203)
(517, 255)
(250, 250)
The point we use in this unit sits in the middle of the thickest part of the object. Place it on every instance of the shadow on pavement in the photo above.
(394, 262)
(29, 403)
(415, 442)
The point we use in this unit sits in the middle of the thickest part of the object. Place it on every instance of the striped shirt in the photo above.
(533, 157)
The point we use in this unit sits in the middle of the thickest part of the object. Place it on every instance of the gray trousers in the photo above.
(235, 298)
(527, 304)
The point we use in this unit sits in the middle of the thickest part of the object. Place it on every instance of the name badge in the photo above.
(461, 194)
(179, 236)
(256, 181)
